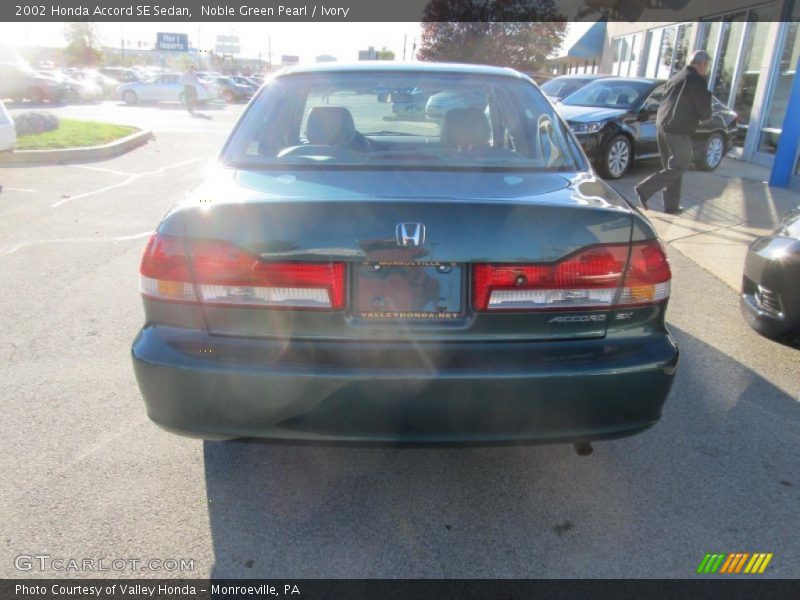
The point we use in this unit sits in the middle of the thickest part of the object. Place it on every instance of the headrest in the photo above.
(331, 126)
(465, 128)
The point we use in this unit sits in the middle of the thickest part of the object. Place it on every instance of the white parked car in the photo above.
(163, 88)
(8, 133)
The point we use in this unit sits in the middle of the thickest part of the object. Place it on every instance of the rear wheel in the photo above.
(615, 158)
(713, 152)
(130, 97)
(36, 95)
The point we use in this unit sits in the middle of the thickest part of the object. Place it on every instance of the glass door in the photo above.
(726, 57)
(747, 77)
(737, 43)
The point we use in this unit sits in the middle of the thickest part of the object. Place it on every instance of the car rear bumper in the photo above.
(221, 387)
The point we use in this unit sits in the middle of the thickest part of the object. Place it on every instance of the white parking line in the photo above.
(11, 189)
(122, 238)
(101, 170)
(131, 177)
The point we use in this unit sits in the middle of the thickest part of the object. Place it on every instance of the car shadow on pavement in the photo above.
(718, 473)
(173, 106)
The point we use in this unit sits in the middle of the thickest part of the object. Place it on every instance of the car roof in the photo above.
(585, 76)
(396, 67)
(635, 79)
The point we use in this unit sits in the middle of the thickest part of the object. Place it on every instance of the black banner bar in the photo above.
(708, 588)
(332, 11)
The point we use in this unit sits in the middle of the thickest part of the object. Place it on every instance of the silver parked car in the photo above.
(162, 88)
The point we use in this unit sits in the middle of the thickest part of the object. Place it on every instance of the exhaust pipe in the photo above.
(583, 448)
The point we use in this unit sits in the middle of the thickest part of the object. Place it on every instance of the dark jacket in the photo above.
(685, 103)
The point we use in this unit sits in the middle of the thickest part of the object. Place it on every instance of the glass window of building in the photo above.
(666, 50)
(783, 76)
(625, 52)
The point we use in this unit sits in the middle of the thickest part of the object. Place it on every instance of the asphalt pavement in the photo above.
(86, 475)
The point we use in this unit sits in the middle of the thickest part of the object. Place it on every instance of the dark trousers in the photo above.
(191, 97)
(676, 156)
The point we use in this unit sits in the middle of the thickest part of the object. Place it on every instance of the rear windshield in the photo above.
(606, 93)
(402, 120)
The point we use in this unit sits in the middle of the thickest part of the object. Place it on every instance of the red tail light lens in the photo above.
(591, 278)
(224, 274)
(647, 279)
(165, 270)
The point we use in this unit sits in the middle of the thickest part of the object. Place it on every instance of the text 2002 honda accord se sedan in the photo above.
(351, 274)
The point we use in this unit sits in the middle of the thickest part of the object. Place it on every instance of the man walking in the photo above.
(190, 83)
(685, 103)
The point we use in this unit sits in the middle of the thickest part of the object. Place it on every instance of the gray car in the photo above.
(22, 83)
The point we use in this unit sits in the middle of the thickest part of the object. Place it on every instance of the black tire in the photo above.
(130, 97)
(615, 158)
(36, 95)
(713, 151)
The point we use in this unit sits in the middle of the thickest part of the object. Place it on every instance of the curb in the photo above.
(71, 155)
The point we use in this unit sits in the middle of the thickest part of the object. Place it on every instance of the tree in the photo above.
(83, 48)
(385, 54)
(509, 33)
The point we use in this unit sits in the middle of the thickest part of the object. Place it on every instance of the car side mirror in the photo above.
(643, 116)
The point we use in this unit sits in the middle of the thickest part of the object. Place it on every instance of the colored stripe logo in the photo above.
(734, 562)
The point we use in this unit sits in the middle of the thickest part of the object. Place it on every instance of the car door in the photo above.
(165, 88)
(647, 145)
(159, 88)
(147, 90)
(172, 88)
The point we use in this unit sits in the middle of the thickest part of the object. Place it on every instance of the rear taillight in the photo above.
(221, 273)
(165, 271)
(596, 277)
(647, 279)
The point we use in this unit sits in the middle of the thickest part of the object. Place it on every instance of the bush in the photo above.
(34, 122)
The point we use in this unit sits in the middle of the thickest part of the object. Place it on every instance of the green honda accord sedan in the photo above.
(346, 273)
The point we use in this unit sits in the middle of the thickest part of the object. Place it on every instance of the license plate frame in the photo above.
(392, 291)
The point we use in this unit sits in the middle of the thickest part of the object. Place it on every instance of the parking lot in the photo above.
(87, 475)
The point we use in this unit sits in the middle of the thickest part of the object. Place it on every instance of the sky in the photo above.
(306, 40)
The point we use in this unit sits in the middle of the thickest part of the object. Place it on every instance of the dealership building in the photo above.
(754, 49)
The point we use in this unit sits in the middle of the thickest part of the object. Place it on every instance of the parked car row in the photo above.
(169, 87)
(19, 82)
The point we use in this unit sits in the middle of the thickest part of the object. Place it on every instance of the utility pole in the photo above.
(405, 42)
(122, 42)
